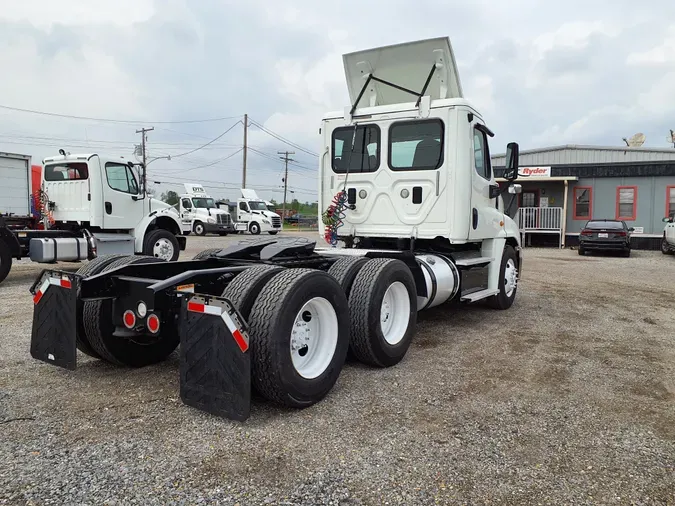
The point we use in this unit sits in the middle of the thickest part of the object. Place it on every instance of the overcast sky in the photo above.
(543, 73)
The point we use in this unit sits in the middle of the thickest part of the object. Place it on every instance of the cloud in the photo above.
(540, 76)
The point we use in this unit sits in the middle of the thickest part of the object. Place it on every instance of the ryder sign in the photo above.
(534, 172)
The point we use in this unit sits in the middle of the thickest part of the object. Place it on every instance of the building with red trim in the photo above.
(565, 186)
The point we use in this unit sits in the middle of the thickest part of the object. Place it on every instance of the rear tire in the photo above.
(247, 285)
(98, 323)
(254, 228)
(91, 268)
(383, 310)
(161, 244)
(581, 251)
(5, 260)
(345, 271)
(665, 248)
(199, 228)
(507, 285)
(289, 303)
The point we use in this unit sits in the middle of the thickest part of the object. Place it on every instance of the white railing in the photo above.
(539, 219)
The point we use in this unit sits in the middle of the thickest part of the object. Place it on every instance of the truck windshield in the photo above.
(66, 171)
(257, 206)
(204, 203)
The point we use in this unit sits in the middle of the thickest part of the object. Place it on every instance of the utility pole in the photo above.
(243, 177)
(143, 131)
(286, 159)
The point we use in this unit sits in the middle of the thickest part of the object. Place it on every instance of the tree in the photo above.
(170, 197)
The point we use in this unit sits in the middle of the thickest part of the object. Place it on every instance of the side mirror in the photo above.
(511, 167)
(631, 229)
(515, 188)
(667, 220)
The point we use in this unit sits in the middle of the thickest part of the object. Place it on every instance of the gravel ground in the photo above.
(566, 398)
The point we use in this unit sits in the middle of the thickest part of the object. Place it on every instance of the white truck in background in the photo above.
(200, 214)
(253, 212)
(88, 205)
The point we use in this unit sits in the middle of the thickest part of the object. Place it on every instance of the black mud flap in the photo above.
(54, 334)
(215, 361)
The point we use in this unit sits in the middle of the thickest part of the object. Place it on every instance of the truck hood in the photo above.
(266, 214)
(160, 205)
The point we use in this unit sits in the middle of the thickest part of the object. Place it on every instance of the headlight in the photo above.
(266, 221)
(211, 220)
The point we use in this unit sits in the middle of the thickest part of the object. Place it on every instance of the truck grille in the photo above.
(223, 219)
(276, 221)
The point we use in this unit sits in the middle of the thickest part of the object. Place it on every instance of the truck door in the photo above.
(484, 216)
(187, 213)
(243, 213)
(120, 186)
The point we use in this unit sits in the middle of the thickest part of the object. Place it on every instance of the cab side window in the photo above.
(243, 207)
(481, 154)
(121, 178)
(187, 204)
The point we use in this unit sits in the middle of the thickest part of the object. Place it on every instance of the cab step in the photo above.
(479, 295)
(473, 262)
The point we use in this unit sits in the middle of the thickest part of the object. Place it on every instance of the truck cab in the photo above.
(200, 214)
(412, 166)
(103, 199)
(253, 212)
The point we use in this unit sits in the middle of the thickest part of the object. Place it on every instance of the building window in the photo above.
(583, 202)
(365, 156)
(670, 200)
(416, 145)
(626, 203)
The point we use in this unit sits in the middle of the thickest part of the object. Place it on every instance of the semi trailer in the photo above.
(412, 218)
(85, 206)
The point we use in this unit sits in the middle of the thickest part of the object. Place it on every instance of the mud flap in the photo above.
(215, 361)
(54, 334)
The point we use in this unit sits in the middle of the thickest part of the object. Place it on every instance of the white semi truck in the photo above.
(90, 205)
(200, 214)
(413, 217)
(253, 213)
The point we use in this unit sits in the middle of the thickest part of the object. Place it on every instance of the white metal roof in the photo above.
(570, 154)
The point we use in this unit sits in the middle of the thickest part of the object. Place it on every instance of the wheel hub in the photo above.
(314, 337)
(163, 249)
(395, 313)
(510, 278)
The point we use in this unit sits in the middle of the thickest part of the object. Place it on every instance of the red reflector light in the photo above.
(129, 319)
(153, 323)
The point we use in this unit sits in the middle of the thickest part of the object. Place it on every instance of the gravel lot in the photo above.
(567, 398)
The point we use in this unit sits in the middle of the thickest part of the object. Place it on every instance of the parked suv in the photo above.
(605, 235)
(668, 241)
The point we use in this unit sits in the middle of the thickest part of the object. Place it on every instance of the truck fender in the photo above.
(162, 218)
(10, 239)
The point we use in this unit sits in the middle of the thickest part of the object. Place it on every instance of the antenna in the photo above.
(635, 141)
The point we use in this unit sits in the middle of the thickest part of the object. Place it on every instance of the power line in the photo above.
(282, 139)
(265, 155)
(108, 120)
(210, 164)
(208, 143)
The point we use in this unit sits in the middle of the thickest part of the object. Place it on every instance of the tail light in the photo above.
(153, 323)
(586, 232)
(621, 234)
(129, 319)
